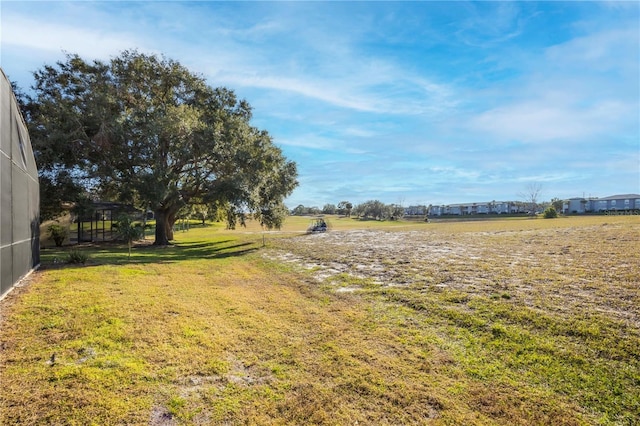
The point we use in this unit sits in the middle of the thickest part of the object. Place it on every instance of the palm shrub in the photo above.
(128, 231)
(57, 233)
(77, 256)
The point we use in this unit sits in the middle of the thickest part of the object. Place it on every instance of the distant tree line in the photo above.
(344, 208)
(372, 209)
(375, 209)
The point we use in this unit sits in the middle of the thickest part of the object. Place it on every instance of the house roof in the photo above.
(478, 204)
(620, 197)
(611, 197)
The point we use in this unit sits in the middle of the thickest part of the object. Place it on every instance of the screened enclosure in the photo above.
(19, 194)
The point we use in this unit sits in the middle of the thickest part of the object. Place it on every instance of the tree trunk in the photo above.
(171, 220)
(165, 219)
(162, 225)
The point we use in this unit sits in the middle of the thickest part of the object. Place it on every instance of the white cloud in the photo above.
(309, 140)
(359, 132)
(582, 90)
(598, 51)
(542, 122)
(323, 91)
(362, 84)
(37, 34)
(490, 24)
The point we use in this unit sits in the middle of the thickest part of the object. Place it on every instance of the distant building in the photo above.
(614, 204)
(485, 207)
(19, 194)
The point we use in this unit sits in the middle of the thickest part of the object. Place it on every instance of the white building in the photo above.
(485, 207)
(624, 203)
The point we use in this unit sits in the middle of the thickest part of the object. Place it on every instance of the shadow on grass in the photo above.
(109, 253)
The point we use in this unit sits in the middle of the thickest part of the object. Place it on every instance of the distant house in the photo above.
(502, 207)
(20, 194)
(575, 205)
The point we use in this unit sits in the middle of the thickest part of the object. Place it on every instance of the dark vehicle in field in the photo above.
(317, 225)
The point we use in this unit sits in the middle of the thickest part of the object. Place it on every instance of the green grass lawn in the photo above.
(519, 321)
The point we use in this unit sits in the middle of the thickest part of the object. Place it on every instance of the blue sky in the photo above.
(404, 102)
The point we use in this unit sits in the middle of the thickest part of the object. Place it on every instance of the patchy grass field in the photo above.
(519, 321)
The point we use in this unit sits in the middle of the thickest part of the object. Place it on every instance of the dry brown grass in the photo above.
(542, 317)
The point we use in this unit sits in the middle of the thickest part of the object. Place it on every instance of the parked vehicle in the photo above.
(317, 225)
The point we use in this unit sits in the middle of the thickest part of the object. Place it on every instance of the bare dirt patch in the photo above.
(562, 268)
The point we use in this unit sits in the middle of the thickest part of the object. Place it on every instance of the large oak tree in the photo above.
(142, 128)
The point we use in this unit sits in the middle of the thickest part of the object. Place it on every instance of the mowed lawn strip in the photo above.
(216, 331)
(224, 339)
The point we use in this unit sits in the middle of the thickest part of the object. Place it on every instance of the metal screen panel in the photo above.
(20, 205)
(5, 116)
(6, 269)
(19, 194)
(6, 232)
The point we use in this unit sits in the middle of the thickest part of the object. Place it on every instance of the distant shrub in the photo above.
(550, 213)
(57, 233)
(78, 257)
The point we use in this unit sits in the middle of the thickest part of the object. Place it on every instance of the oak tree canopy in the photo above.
(144, 129)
